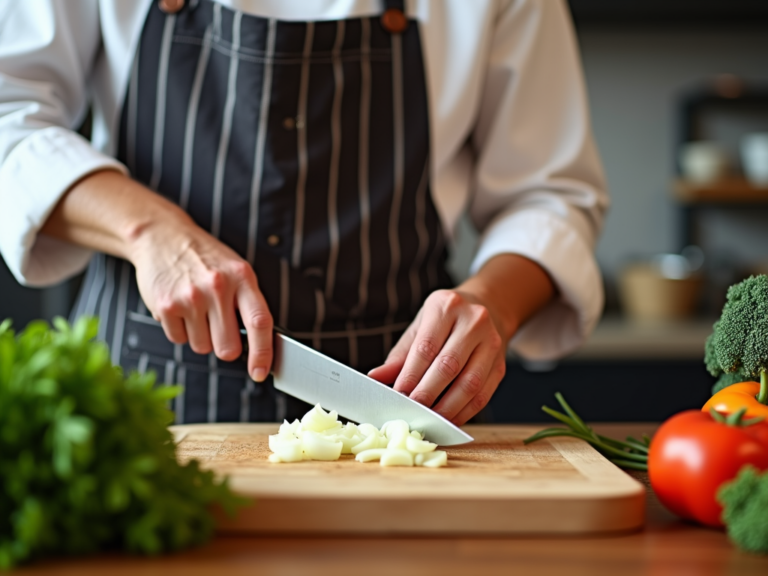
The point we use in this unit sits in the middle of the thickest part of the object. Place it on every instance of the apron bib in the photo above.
(304, 146)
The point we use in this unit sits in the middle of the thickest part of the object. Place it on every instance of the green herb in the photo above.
(739, 341)
(745, 509)
(86, 460)
(632, 454)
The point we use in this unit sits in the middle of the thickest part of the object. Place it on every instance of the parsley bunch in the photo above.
(86, 460)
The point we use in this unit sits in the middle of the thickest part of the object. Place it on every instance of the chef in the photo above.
(302, 164)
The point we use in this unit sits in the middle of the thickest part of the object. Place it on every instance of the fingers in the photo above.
(196, 292)
(258, 324)
(174, 329)
(389, 371)
(473, 388)
(481, 399)
(437, 321)
(447, 365)
(456, 345)
(431, 350)
(224, 331)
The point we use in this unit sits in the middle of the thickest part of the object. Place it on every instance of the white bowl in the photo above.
(704, 161)
(754, 157)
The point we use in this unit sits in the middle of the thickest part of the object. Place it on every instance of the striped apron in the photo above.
(304, 146)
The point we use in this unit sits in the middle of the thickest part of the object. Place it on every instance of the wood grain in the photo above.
(666, 546)
(493, 485)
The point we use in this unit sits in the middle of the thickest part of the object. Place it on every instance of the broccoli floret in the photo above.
(745, 501)
(739, 341)
(710, 357)
(726, 379)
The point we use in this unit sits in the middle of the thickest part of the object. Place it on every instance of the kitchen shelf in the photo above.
(731, 191)
(679, 12)
(616, 338)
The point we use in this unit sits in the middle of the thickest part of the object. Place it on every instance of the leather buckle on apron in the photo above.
(394, 21)
(171, 6)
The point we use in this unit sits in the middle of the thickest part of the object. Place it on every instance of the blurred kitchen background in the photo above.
(679, 99)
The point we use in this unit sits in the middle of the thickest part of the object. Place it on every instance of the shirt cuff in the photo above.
(34, 176)
(566, 322)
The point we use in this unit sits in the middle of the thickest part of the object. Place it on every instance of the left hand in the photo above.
(459, 337)
(453, 341)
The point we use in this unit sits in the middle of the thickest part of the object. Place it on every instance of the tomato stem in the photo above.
(762, 396)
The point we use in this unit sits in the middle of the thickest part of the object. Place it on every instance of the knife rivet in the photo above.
(273, 240)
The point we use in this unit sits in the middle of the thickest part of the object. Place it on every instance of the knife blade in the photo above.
(315, 378)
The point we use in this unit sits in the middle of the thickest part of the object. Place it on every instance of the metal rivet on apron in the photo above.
(289, 123)
(299, 122)
(394, 21)
(132, 340)
(171, 6)
(273, 239)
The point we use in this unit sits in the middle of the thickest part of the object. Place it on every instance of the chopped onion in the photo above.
(370, 455)
(396, 457)
(418, 446)
(317, 447)
(320, 436)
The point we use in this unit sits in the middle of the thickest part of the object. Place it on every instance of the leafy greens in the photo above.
(86, 460)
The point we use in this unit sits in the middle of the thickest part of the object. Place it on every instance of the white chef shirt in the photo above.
(510, 136)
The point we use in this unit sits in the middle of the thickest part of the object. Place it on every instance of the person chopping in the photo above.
(302, 165)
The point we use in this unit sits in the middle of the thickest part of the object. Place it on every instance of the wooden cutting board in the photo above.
(494, 485)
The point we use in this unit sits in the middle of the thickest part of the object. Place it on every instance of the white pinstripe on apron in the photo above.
(304, 147)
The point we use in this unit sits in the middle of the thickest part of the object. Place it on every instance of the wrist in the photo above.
(480, 292)
(512, 288)
(159, 222)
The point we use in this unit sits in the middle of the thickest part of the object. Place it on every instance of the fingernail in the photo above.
(260, 374)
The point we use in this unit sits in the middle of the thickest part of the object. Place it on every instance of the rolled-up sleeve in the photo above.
(538, 187)
(47, 48)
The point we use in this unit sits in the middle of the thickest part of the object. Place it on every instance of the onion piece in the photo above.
(397, 441)
(287, 449)
(435, 459)
(318, 420)
(372, 441)
(395, 428)
(396, 457)
(419, 446)
(367, 429)
(370, 455)
(318, 447)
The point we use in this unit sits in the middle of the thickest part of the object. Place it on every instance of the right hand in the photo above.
(192, 283)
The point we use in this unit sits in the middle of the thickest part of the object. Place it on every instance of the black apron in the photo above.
(305, 148)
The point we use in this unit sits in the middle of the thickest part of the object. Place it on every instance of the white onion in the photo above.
(396, 457)
(373, 441)
(370, 455)
(286, 448)
(418, 446)
(320, 436)
(435, 459)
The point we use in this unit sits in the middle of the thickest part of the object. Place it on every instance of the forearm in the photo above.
(512, 288)
(109, 212)
(190, 281)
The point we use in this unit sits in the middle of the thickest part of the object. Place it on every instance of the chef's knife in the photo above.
(317, 379)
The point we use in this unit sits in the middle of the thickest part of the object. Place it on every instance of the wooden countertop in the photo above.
(666, 546)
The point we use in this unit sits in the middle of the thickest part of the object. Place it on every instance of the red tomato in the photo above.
(691, 455)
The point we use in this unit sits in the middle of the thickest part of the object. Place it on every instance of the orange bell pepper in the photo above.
(737, 396)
